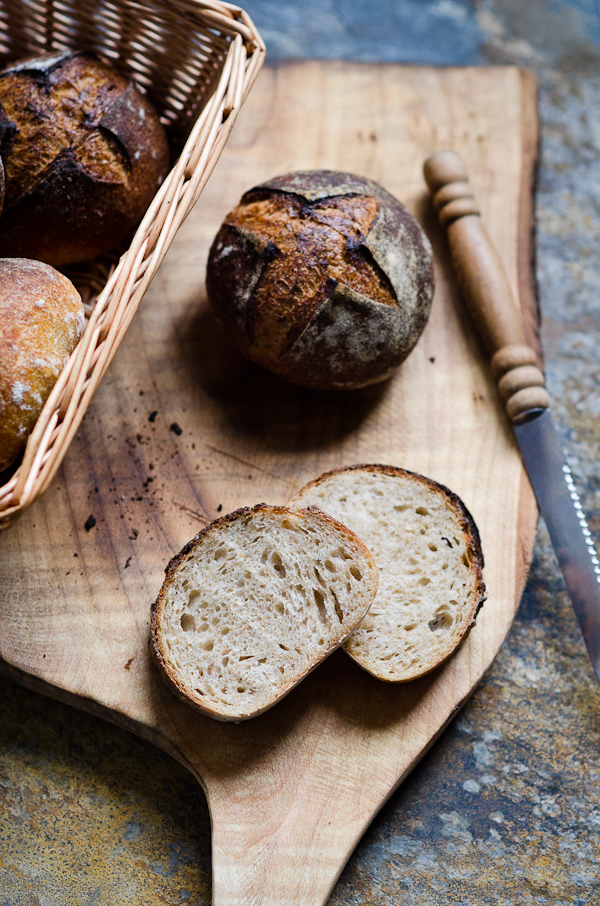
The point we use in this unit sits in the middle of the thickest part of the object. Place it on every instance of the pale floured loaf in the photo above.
(254, 602)
(427, 548)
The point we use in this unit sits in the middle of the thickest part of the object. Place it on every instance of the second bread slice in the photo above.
(427, 548)
(255, 602)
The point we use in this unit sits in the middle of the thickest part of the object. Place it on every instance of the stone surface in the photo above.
(506, 807)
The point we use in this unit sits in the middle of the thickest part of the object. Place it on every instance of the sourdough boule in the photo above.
(323, 278)
(41, 321)
(84, 153)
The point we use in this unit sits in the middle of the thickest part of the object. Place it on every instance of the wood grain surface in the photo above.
(181, 429)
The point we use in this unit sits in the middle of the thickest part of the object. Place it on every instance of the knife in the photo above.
(497, 316)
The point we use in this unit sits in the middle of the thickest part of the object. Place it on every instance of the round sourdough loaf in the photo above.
(41, 321)
(84, 153)
(428, 552)
(323, 278)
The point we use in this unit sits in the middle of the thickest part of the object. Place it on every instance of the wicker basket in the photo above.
(197, 60)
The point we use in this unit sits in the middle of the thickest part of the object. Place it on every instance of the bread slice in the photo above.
(428, 551)
(254, 602)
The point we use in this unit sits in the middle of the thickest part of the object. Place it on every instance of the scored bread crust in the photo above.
(419, 615)
(254, 602)
(323, 278)
(84, 152)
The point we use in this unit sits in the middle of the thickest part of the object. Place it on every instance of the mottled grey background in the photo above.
(505, 809)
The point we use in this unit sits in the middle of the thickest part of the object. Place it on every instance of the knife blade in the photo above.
(497, 316)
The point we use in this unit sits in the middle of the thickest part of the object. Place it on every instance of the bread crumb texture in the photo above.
(254, 603)
(428, 552)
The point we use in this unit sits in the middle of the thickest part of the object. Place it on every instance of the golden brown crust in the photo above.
(158, 654)
(323, 278)
(41, 321)
(84, 153)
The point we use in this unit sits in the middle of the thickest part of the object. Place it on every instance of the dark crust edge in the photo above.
(468, 526)
(169, 676)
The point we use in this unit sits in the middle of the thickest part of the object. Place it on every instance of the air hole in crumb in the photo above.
(280, 608)
(399, 508)
(278, 565)
(193, 597)
(320, 602)
(220, 553)
(433, 547)
(442, 620)
(422, 511)
(319, 577)
(329, 566)
(188, 623)
(355, 571)
(410, 626)
(467, 557)
(338, 610)
(208, 646)
(424, 581)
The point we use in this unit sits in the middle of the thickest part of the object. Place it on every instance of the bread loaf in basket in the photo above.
(197, 60)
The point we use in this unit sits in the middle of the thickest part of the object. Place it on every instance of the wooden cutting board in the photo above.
(182, 429)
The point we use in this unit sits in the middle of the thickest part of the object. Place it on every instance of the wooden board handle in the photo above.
(484, 285)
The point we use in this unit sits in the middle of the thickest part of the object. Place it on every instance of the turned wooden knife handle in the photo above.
(485, 287)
